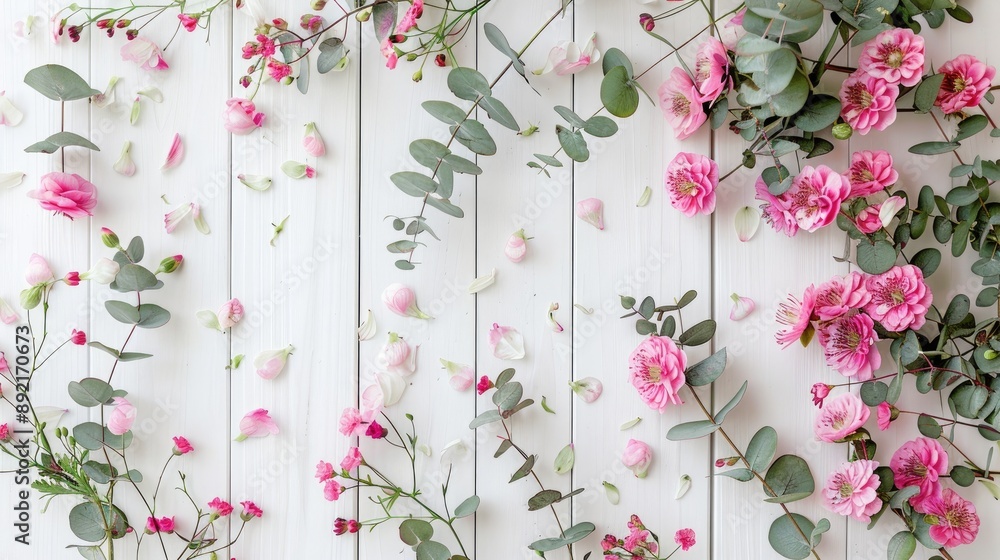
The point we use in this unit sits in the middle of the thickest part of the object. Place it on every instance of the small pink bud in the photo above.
(395, 352)
(122, 416)
(313, 142)
(819, 392)
(517, 246)
(485, 384)
(72, 279)
(637, 457)
(591, 211)
(647, 22)
(109, 238)
(402, 301)
(38, 271)
(182, 446)
(78, 337)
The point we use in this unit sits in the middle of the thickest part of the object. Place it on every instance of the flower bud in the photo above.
(410, 58)
(31, 297)
(109, 238)
(441, 60)
(170, 264)
(842, 131)
(317, 4)
(364, 15)
(72, 279)
(418, 75)
(647, 22)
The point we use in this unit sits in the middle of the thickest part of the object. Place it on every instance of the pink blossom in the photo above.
(389, 52)
(176, 153)
(278, 70)
(868, 102)
(257, 423)
(814, 198)
(352, 460)
(966, 81)
(484, 384)
(884, 413)
(840, 295)
(161, 525)
(711, 69)
(774, 210)
(324, 471)
(4, 367)
(66, 193)
(220, 507)
(795, 316)
(230, 313)
(849, 346)
(250, 509)
(899, 298)
(409, 19)
(840, 418)
(145, 53)
(820, 391)
(182, 446)
(637, 457)
(691, 180)
(591, 211)
(402, 301)
(895, 55)
(871, 172)
(332, 490)
(376, 430)
(312, 141)
(241, 116)
(517, 247)
(342, 526)
(681, 104)
(568, 58)
(684, 538)
(920, 462)
(72, 279)
(5, 435)
(189, 22)
(953, 519)
(38, 271)
(353, 422)
(656, 370)
(122, 417)
(852, 490)
(867, 220)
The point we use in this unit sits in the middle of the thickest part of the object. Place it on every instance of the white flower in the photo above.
(568, 58)
(103, 271)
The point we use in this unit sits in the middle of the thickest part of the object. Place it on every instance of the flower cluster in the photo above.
(641, 543)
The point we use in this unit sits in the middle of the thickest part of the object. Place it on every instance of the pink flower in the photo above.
(774, 210)
(122, 416)
(637, 540)
(241, 116)
(795, 316)
(742, 307)
(691, 180)
(900, 298)
(637, 457)
(72, 279)
(589, 389)
(189, 22)
(389, 52)
(352, 460)
(884, 412)
(278, 70)
(324, 471)
(871, 172)
(402, 301)
(484, 384)
(841, 417)
(506, 342)
(867, 220)
(250, 510)
(342, 526)
(230, 313)
(920, 462)
(820, 391)
(868, 102)
(376, 430)
(895, 55)
(38, 272)
(517, 247)
(270, 363)
(849, 346)
(953, 519)
(4, 367)
(145, 53)
(656, 370)
(332, 490)
(66, 193)
(182, 446)
(684, 538)
(161, 525)
(409, 19)
(5, 435)
(840, 295)
(568, 58)
(681, 104)
(591, 211)
(312, 141)
(966, 81)
(256, 423)
(220, 507)
(814, 198)
(460, 376)
(852, 490)
(353, 422)
(711, 69)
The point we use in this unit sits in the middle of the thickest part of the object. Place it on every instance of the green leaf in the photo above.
(135, 278)
(970, 126)
(874, 393)
(105, 348)
(87, 521)
(90, 392)
(761, 448)
(402, 246)
(487, 417)
(576, 121)
(504, 446)
(968, 399)
(58, 83)
(499, 112)
(432, 550)
(707, 370)
(445, 205)
(59, 140)
(600, 126)
(902, 545)
(613, 58)
(618, 93)
(699, 334)
(497, 39)
(927, 260)
(934, 148)
(474, 136)
(573, 143)
(543, 499)
(133, 356)
(470, 504)
(721, 415)
(383, 19)
(818, 113)
(549, 160)
(789, 477)
(507, 397)
(645, 327)
(461, 165)
(152, 316)
(571, 535)
(791, 100)
(100, 473)
(89, 552)
(957, 310)
(692, 430)
(415, 531)
(785, 538)
(963, 476)
(136, 249)
(445, 112)
(525, 468)
(331, 52)
(122, 312)
(468, 84)
(960, 196)
(413, 183)
(793, 20)
(876, 258)
(565, 460)
(741, 474)
(504, 377)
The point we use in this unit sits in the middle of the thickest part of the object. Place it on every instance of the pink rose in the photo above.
(691, 180)
(182, 446)
(868, 102)
(332, 490)
(685, 537)
(122, 417)
(884, 412)
(656, 370)
(681, 104)
(324, 471)
(895, 55)
(867, 220)
(920, 462)
(711, 69)
(953, 519)
(256, 423)
(637, 457)
(66, 193)
(241, 116)
(899, 298)
(841, 417)
(871, 172)
(966, 81)
(145, 53)
(849, 346)
(352, 460)
(220, 507)
(840, 295)
(852, 490)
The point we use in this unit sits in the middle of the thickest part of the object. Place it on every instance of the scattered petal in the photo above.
(460, 376)
(584, 310)
(553, 324)
(392, 386)
(50, 415)
(517, 246)
(199, 220)
(133, 116)
(565, 460)
(683, 486)
(647, 193)
(270, 363)
(9, 114)
(591, 211)
(235, 362)
(125, 166)
(173, 218)
(175, 155)
(255, 182)
(454, 451)
(424, 448)
(367, 329)
(209, 319)
(154, 94)
(278, 228)
(11, 180)
(742, 307)
(297, 170)
(102, 100)
(631, 423)
(7, 313)
(747, 222)
(483, 282)
(889, 209)
(313, 142)
(545, 406)
(611, 491)
(589, 389)
(992, 487)
(506, 342)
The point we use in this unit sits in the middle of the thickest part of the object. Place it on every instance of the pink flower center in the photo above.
(846, 490)
(958, 516)
(863, 174)
(893, 292)
(891, 55)
(682, 184)
(839, 420)
(914, 467)
(954, 83)
(681, 105)
(653, 373)
(858, 94)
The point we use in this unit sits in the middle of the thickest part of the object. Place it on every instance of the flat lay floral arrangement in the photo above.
(792, 79)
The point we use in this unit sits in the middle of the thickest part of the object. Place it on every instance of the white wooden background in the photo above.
(330, 266)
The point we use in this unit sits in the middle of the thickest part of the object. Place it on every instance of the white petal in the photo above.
(510, 346)
(125, 166)
(367, 329)
(647, 193)
(889, 208)
(102, 100)
(11, 180)
(392, 386)
(611, 491)
(199, 221)
(747, 222)
(255, 182)
(683, 486)
(152, 93)
(9, 114)
(455, 451)
(483, 282)
(208, 319)
(424, 448)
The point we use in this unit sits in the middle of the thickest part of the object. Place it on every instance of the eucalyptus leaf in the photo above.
(59, 140)
(618, 93)
(59, 83)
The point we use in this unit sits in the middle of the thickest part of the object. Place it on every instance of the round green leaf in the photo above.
(819, 112)
(876, 258)
(963, 476)
(432, 550)
(90, 392)
(469, 505)
(573, 143)
(468, 84)
(785, 538)
(707, 370)
(58, 83)
(790, 479)
(415, 531)
(902, 545)
(761, 448)
(618, 94)
(87, 521)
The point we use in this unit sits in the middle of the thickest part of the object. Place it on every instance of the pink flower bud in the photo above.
(122, 416)
(272, 362)
(78, 337)
(159, 525)
(589, 389)
(637, 457)
(38, 271)
(460, 376)
(250, 510)
(109, 238)
(171, 264)
(182, 446)
(647, 22)
(517, 246)
(230, 313)
(395, 352)
(819, 392)
(591, 211)
(189, 22)
(104, 271)
(313, 142)
(257, 423)
(742, 307)
(72, 279)
(485, 384)
(401, 300)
